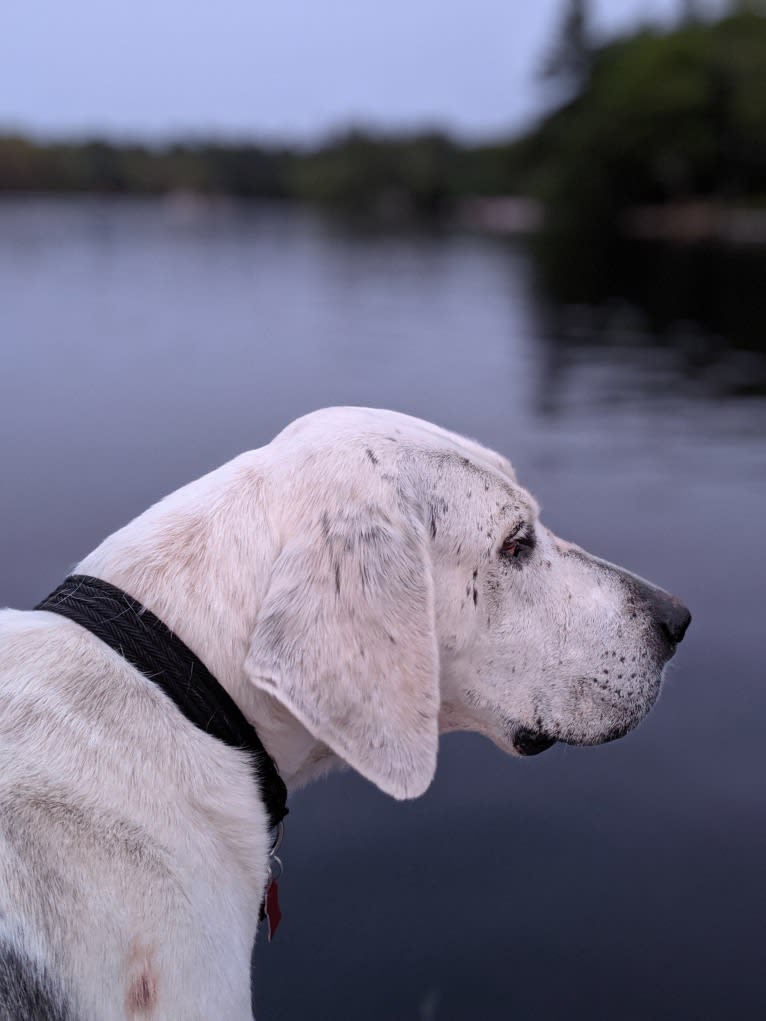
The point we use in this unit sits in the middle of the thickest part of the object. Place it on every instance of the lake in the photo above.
(145, 342)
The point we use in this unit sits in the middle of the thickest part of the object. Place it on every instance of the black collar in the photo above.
(143, 640)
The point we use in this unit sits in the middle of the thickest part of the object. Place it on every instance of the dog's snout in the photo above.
(671, 614)
(668, 612)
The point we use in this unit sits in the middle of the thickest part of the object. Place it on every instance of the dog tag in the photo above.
(271, 909)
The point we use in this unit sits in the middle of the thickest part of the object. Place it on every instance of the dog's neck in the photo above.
(194, 561)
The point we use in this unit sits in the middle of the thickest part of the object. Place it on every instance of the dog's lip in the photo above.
(531, 742)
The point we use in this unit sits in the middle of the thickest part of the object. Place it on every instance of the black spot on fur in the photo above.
(372, 456)
(472, 589)
(337, 579)
(28, 992)
(433, 526)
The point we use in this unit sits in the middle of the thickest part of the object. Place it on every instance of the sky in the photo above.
(286, 69)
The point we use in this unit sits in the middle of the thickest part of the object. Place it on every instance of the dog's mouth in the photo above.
(531, 742)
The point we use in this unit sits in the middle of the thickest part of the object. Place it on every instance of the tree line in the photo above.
(658, 115)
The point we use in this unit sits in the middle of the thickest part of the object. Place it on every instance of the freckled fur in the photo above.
(353, 613)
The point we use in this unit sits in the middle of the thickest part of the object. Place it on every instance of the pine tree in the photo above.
(570, 58)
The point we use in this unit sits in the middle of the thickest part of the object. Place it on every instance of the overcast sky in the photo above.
(283, 68)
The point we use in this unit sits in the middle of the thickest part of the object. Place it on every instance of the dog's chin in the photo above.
(532, 742)
(616, 716)
(613, 734)
(614, 731)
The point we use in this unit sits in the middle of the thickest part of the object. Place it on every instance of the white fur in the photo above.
(346, 585)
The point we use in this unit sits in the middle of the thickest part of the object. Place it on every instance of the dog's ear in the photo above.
(346, 640)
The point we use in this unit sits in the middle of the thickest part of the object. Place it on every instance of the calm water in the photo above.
(144, 343)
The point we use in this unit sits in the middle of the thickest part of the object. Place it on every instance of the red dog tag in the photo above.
(271, 909)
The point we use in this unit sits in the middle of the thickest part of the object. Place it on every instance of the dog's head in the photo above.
(417, 591)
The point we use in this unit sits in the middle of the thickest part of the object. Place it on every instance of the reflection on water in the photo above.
(686, 316)
(144, 343)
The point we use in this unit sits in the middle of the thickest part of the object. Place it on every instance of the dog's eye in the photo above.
(517, 545)
(511, 548)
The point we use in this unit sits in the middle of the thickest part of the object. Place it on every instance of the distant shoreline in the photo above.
(663, 136)
(690, 222)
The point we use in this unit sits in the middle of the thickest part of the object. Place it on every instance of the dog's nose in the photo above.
(671, 614)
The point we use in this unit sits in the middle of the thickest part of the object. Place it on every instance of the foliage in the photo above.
(363, 171)
(99, 166)
(662, 116)
(422, 174)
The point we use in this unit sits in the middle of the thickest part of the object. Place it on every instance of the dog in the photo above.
(360, 585)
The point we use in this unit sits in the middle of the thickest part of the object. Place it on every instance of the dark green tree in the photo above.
(569, 60)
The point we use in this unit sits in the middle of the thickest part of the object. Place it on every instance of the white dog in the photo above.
(362, 584)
